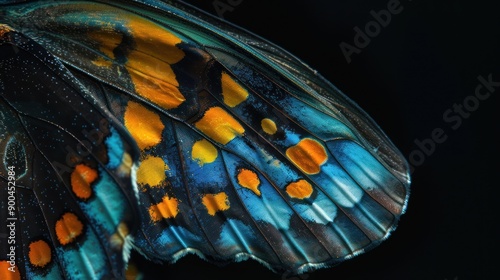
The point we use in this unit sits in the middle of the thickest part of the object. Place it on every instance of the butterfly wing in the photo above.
(245, 152)
(65, 174)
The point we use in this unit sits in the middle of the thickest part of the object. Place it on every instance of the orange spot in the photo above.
(250, 180)
(162, 92)
(203, 152)
(308, 155)
(149, 62)
(215, 202)
(8, 272)
(149, 57)
(300, 189)
(269, 126)
(168, 208)
(40, 253)
(151, 172)
(219, 125)
(232, 92)
(145, 126)
(81, 179)
(68, 228)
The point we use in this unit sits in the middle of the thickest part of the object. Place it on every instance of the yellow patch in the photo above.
(168, 208)
(219, 125)
(151, 172)
(81, 179)
(232, 92)
(68, 228)
(215, 202)
(118, 238)
(39, 253)
(308, 155)
(145, 126)
(5, 273)
(203, 152)
(249, 179)
(269, 126)
(300, 189)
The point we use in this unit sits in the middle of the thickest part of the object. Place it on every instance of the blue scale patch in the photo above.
(105, 208)
(87, 261)
(115, 149)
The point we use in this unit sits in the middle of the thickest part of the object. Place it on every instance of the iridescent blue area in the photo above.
(367, 171)
(235, 230)
(269, 207)
(279, 170)
(89, 261)
(105, 209)
(115, 149)
(177, 238)
(52, 273)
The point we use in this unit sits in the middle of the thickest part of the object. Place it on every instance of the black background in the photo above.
(426, 60)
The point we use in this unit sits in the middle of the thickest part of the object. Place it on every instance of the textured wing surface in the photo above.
(245, 152)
